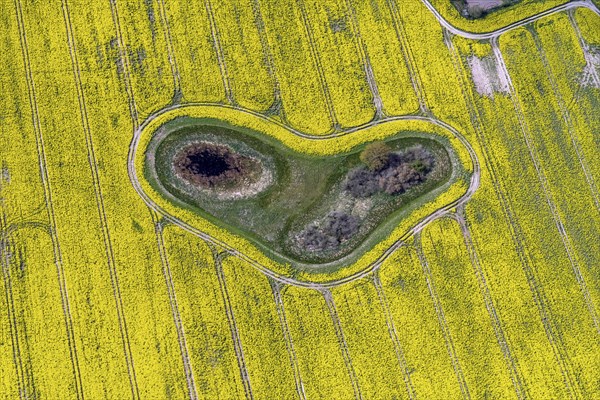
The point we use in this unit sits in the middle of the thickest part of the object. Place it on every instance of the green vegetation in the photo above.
(305, 207)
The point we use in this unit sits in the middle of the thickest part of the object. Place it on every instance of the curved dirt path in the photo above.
(496, 33)
(474, 184)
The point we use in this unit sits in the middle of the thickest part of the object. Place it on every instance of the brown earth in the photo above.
(213, 166)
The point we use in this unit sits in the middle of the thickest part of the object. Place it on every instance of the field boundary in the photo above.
(296, 139)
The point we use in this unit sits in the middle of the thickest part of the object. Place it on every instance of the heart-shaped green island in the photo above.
(297, 205)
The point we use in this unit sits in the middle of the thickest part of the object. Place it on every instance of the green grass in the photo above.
(305, 187)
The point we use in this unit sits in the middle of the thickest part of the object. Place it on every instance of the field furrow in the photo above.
(401, 36)
(93, 163)
(385, 56)
(578, 201)
(516, 375)
(429, 365)
(48, 196)
(432, 64)
(276, 109)
(319, 354)
(441, 317)
(586, 25)
(502, 248)
(110, 125)
(166, 27)
(276, 287)
(538, 251)
(218, 46)
(579, 84)
(112, 289)
(339, 332)
(261, 336)
(193, 48)
(233, 327)
(464, 311)
(338, 54)
(39, 332)
(11, 381)
(365, 60)
(393, 332)
(21, 186)
(117, 53)
(21, 191)
(146, 49)
(11, 346)
(203, 315)
(542, 29)
(545, 199)
(250, 82)
(369, 344)
(302, 92)
(176, 315)
(565, 190)
(579, 99)
(318, 63)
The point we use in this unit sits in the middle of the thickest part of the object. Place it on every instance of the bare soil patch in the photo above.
(211, 165)
(487, 76)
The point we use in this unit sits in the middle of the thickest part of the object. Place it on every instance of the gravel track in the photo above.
(496, 33)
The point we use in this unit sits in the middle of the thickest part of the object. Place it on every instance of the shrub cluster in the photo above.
(479, 9)
(383, 171)
(337, 227)
(376, 156)
(400, 172)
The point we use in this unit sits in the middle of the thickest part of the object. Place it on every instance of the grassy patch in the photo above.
(302, 189)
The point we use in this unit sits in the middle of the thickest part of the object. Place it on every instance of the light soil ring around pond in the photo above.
(309, 275)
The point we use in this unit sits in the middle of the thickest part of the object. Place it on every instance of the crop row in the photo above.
(110, 321)
(555, 279)
(468, 321)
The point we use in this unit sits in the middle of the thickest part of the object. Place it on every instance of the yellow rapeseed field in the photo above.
(490, 288)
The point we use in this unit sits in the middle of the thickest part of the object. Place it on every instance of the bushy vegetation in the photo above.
(395, 173)
(384, 171)
(337, 227)
(376, 155)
